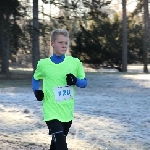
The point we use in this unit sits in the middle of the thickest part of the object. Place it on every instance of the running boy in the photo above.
(60, 74)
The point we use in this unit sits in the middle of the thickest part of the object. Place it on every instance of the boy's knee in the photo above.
(66, 127)
(60, 141)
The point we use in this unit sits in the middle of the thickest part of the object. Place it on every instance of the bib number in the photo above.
(63, 93)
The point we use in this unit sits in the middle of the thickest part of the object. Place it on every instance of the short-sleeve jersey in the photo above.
(58, 102)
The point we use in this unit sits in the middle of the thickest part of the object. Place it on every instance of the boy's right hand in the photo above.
(39, 95)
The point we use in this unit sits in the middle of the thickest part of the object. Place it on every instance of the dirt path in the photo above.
(111, 113)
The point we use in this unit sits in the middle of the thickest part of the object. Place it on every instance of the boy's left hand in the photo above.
(71, 79)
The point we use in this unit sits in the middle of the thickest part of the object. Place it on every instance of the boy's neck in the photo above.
(57, 59)
(55, 55)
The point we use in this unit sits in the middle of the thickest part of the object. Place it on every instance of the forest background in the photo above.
(104, 34)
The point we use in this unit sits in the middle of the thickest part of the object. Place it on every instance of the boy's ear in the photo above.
(51, 43)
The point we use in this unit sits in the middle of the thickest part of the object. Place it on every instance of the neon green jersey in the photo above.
(58, 102)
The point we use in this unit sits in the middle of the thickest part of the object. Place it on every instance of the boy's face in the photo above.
(60, 45)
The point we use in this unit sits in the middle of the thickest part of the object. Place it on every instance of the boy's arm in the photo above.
(35, 84)
(38, 75)
(82, 83)
(81, 80)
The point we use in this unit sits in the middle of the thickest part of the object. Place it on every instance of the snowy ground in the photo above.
(112, 113)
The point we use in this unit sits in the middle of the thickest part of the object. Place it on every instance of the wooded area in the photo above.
(96, 38)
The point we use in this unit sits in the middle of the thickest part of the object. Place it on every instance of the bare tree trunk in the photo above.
(124, 37)
(5, 52)
(6, 56)
(146, 41)
(35, 50)
(4, 46)
(148, 29)
(2, 40)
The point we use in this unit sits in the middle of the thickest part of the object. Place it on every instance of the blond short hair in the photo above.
(57, 32)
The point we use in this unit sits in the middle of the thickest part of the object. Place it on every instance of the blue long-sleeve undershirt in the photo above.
(82, 83)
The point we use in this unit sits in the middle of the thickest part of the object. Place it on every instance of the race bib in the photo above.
(63, 93)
